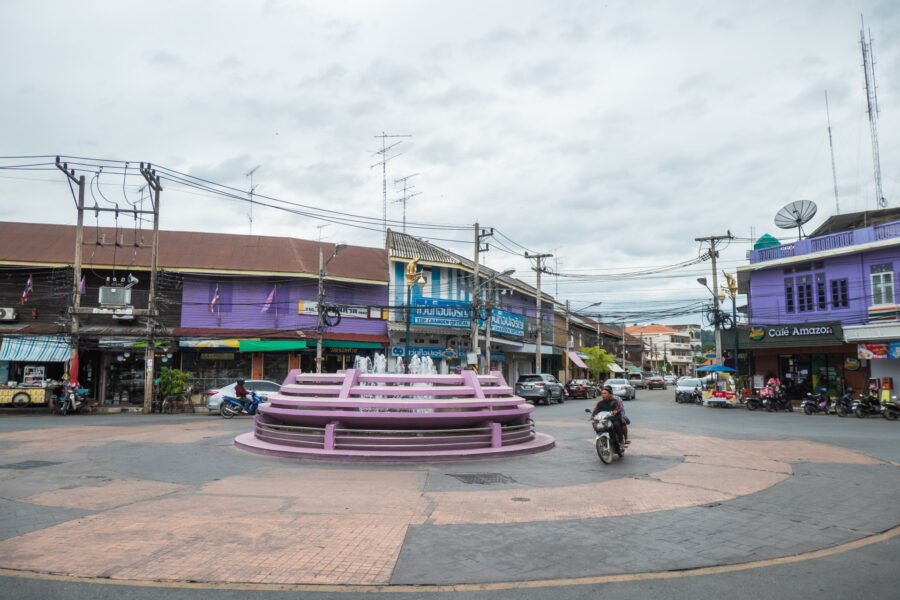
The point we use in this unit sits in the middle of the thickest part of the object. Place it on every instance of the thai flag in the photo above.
(269, 300)
(29, 287)
(215, 300)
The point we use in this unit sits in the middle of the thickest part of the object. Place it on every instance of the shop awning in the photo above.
(351, 344)
(271, 345)
(36, 349)
(614, 368)
(573, 356)
(633, 369)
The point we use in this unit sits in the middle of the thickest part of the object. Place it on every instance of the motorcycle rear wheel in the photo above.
(808, 410)
(227, 410)
(752, 405)
(859, 412)
(603, 450)
(890, 414)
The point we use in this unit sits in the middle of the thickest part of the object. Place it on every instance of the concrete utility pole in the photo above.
(320, 299)
(79, 243)
(539, 337)
(568, 329)
(155, 188)
(476, 287)
(713, 254)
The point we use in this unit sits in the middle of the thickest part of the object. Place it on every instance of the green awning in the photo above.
(349, 344)
(271, 345)
(633, 369)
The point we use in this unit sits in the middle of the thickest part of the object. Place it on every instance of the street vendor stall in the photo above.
(722, 390)
(32, 366)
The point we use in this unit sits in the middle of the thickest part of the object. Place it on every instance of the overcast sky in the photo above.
(611, 133)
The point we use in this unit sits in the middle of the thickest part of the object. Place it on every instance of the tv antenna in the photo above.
(796, 214)
(872, 107)
(383, 153)
(252, 188)
(837, 204)
(408, 193)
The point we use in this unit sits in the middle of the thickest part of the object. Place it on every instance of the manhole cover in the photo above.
(520, 499)
(29, 464)
(482, 478)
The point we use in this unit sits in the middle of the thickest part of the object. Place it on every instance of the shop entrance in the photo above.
(806, 373)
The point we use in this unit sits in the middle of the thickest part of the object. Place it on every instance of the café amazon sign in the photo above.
(787, 336)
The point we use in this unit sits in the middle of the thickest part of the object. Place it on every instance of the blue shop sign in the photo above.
(436, 312)
(423, 351)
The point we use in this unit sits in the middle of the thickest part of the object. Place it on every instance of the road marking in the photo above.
(472, 587)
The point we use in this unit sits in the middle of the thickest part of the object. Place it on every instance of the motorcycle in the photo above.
(753, 402)
(689, 397)
(815, 403)
(777, 403)
(865, 406)
(607, 442)
(231, 407)
(891, 410)
(843, 406)
(69, 398)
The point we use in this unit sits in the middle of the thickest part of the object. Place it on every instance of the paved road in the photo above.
(870, 569)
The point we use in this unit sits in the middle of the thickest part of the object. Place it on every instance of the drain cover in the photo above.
(482, 478)
(29, 464)
(520, 499)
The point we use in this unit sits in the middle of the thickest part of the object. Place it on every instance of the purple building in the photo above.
(823, 311)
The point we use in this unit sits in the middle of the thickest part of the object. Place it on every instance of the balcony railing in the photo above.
(823, 243)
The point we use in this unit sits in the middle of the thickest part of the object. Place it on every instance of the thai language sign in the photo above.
(457, 314)
(878, 351)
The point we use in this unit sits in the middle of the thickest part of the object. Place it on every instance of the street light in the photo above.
(732, 289)
(320, 304)
(490, 311)
(716, 319)
(413, 276)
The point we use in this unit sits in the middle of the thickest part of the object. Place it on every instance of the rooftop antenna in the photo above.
(796, 214)
(385, 148)
(252, 188)
(320, 228)
(872, 107)
(837, 204)
(404, 181)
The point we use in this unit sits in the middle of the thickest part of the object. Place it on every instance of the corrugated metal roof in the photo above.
(43, 243)
(407, 247)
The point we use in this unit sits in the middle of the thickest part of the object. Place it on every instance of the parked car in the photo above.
(540, 387)
(637, 381)
(260, 386)
(655, 382)
(670, 379)
(581, 388)
(622, 388)
(688, 384)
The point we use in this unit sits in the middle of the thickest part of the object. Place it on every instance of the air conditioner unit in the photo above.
(115, 296)
(8, 314)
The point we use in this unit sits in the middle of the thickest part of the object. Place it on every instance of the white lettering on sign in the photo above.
(800, 331)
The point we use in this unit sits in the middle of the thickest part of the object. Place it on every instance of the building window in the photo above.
(804, 294)
(821, 297)
(839, 297)
(882, 284)
(789, 295)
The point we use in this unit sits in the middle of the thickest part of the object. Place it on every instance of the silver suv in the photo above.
(540, 387)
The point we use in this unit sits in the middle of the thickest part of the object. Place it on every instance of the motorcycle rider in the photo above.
(242, 393)
(611, 403)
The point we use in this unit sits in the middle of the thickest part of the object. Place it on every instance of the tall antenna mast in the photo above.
(383, 162)
(404, 181)
(320, 228)
(837, 204)
(252, 188)
(872, 107)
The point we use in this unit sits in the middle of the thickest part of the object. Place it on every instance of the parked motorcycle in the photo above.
(777, 403)
(891, 410)
(689, 397)
(843, 406)
(865, 406)
(607, 442)
(753, 402)
(815, 403)
(68, 398)
(231, 407)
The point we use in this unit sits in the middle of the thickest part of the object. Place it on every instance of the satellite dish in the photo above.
(796, 214)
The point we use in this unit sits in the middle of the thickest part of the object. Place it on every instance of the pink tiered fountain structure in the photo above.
(394, 417)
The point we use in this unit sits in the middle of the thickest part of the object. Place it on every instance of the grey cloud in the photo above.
(166, 59)
(230, 171)
(723, 23)
(229, 62)
(632, 32)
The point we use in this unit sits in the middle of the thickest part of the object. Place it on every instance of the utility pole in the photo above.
(76, 286)
(480, 234)
(568, 329)
(713, 255)
(623, 350)
(320, 299)
(155, 188)
(539, 337)
(385, 148)
(406, 195)
(252, 189)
